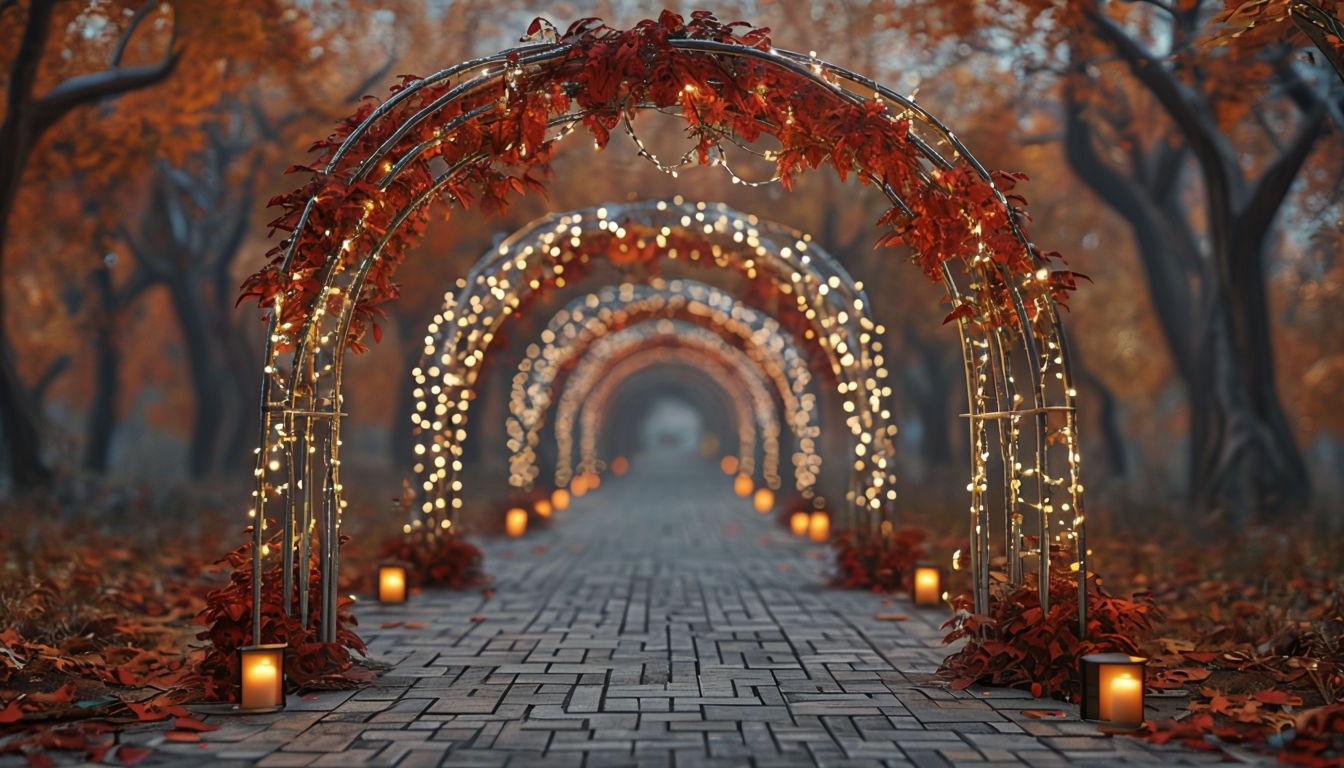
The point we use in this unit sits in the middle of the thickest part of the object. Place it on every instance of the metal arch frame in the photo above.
(605, 356)
(298, 456)
(825, 295)
(605, 369)
(587, 318)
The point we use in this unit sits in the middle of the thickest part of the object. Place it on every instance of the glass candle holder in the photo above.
(262, 677)
(1112, 691)
(392, 582)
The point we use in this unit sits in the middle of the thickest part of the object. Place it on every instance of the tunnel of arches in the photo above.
(482, 131)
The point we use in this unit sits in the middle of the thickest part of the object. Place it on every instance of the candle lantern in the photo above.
(1113, 689)
(926, 585)
(763, 500)
(515, 522)
(391, 582)
(543, 507)
(742, 485)
(798, 523)
(594, 480)
(262, 677)
(819, 526)
(560, 499)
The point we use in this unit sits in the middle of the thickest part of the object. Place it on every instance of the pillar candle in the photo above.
(1122, 700)
(391, 584)
(261, 683)
(926, 585)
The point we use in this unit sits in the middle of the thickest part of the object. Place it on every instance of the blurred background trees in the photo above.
(1183, 154)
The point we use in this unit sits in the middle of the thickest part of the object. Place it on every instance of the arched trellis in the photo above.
(826, 304)
(484, 129)
(587, 319)
(618, 354)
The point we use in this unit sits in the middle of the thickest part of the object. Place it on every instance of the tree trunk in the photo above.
(204, 377)
(18, 412)
(106, 380)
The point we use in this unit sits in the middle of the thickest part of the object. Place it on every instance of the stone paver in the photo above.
(657, 622)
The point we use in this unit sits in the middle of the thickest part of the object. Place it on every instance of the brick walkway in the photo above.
(658, 622)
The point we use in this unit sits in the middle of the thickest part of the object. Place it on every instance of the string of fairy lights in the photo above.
(826, 299)
(609, 360)
(590, 318)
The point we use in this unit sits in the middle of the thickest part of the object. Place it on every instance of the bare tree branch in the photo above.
(92, 87)
(129, 32)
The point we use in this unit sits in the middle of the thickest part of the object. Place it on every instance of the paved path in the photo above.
(657, 622)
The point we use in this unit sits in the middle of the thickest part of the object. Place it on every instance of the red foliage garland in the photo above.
(501, 147)
(309, 662)
(1018, 645)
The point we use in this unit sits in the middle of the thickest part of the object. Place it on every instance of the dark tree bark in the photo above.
(27, 117)
(1244, 460)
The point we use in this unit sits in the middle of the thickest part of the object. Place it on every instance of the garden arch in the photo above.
(619, 354)
(485, 129)
(821, 301)
(587, 320)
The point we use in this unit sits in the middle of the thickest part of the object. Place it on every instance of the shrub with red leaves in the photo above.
(436, 559)
(876, 561)
(309, 662)
(1019, 645)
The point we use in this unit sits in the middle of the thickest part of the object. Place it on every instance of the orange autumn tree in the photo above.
(139, 203)
(1200, 142)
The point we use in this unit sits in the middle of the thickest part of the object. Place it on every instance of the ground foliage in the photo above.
(1254, 641)
(309, 662)
(882, 562)
(436, 560)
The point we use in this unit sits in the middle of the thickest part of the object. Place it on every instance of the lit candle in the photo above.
(515, 522)
(763, 500)
(819, 526)
(742, 485)
(728, 464)
(391, 583)
(261, 677)
(1112, 689)
(798, 523)
(1122, 700)
(926, 585)
(560, 499)
(543, 507)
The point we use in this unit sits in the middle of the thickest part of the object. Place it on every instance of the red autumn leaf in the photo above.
(1276, 696)
(192, 724)
(129, 754)
(415, 625)
(183, 737)
(39, 760)
(389, 624)
(11, 713)
(1043, 713)
(477, 618)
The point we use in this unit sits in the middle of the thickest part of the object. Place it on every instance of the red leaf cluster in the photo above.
(877, 561)
(1020, 645)
(309, 662)
(436, 559)
(495, 147)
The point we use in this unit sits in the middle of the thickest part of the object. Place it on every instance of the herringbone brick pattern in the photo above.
(658, 622)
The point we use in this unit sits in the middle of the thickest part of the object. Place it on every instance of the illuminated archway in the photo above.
(483, 130)
(820, 302)
(588, 319)
(620, 353)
